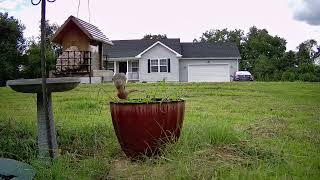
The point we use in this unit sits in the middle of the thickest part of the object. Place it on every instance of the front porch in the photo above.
(128, 67)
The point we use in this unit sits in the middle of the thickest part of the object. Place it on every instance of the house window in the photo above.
(110, 65)
(135, 66)
(163, 65)
(159, 65)
(154, 65)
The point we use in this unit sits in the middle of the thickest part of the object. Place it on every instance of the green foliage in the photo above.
(259, 42)
(287, 61)
(263, 68)
(17, 140)
(264, 55)
(12, 45)
(308, 77)
(215, 35)
(155, 37)
(15, 60)
(288, 75)
(32, 66)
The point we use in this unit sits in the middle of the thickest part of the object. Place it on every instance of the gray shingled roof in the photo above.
(198, 50)
(131, 48)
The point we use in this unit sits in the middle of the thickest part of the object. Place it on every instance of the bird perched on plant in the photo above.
(120, 80)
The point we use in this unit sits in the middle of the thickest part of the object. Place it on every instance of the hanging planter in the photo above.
(143, 127)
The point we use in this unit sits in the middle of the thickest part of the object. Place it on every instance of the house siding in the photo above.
(156, 52)
(183, 66)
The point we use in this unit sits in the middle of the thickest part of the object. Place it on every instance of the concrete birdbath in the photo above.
(47, 141)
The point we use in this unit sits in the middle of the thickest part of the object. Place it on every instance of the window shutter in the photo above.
(168, 65)
(148, 65)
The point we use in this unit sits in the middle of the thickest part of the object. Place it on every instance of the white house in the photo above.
(169, 59)
(93, 54)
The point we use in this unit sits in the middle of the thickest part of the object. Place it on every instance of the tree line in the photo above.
(261, 53)
(20, 58)
(265, 56)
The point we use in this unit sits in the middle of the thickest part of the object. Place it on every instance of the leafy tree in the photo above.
(307, 51)
(215, 35)
(263, 68)
(266, 57)
(12, 46)
(256, 43)
(289, 75)
(287, 61)
(50, 30)
(259, 42)
(32, 68)
(155, 37)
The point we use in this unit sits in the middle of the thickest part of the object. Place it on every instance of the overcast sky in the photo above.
(294, 20)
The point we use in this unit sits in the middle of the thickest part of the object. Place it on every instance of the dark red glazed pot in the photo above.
(143, 128)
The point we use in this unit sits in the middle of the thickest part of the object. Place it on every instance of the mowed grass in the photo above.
(247, 130)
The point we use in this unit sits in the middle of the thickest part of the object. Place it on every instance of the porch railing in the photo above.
(132, 75)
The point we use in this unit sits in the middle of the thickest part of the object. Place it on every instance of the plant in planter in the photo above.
(143, 125)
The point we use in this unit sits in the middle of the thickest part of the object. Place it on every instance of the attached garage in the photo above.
(208, 73)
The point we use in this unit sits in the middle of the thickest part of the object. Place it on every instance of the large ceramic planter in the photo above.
(142, 128)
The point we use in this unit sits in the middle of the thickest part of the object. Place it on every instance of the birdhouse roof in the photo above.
(91, 31)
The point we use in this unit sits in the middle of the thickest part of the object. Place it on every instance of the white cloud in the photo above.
(11, 5)
(307, 10)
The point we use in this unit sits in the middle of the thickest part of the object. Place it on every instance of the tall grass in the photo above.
(250, 130)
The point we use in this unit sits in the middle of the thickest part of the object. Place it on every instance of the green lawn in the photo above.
(249, 130)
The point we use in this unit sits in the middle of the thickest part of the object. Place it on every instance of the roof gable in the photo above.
(160, 43)
(91, 31)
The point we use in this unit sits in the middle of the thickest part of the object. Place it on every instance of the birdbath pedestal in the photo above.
(47, 141)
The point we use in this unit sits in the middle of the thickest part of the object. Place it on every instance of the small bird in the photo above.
(120, 80)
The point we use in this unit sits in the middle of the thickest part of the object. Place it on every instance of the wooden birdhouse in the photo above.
(83, 45)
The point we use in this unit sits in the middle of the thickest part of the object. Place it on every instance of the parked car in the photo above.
(243, 76)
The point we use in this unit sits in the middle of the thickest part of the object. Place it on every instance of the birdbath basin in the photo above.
(47, 141)
(34, 85)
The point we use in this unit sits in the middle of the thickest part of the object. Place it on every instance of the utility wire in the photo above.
(78, 9)
(89, 10)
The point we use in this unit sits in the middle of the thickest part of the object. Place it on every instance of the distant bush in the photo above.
(288, 76)
(310, 77)
(277, 75)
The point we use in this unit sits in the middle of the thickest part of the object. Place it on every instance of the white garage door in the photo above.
(208, 73)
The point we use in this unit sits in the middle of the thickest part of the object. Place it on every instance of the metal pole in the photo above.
(45, 94)
(43, 72)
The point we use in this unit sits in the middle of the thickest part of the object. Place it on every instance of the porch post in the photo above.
(100, 56)
(115, 67)
(127, 69)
